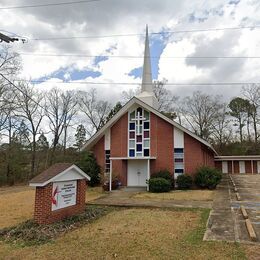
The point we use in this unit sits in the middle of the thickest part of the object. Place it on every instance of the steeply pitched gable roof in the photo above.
(96, 137)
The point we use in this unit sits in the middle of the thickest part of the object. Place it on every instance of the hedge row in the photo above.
(206, 177)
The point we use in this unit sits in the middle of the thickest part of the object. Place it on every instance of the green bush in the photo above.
(207, 177)
(89, 165)
(165, 174)
(184, 181)
(159, 185)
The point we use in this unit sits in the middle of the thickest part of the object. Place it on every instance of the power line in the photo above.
(11, 83)
(136, 57)
(142, 34)
(50, 4)
(137, 84)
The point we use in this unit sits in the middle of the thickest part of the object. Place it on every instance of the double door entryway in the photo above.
(137, 173)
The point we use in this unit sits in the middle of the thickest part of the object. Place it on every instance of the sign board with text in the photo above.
(64, 194)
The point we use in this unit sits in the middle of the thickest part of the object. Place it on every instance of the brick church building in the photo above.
(139, 140)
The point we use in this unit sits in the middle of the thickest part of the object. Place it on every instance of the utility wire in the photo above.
(19, 89)
(128, 83)
(142, 34)
(136, 57)
(50, 4)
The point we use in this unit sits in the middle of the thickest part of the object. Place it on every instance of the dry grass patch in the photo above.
(133, 234)
(16, 207)
(17, 203)
(197, 195)
(252, 251)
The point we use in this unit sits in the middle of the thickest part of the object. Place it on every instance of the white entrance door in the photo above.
(136, 173)
(224, 167)
(242, 168)
(258, 166)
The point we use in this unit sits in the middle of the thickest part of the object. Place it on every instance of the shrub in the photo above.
(159, 185)
(89, 165)
(184, 181)
(165, 174)
(208, 177)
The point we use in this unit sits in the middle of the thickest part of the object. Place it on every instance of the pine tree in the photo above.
(80, 137)
(22, 136)
(42, 142)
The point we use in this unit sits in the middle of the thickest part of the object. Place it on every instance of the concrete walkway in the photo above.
(125, 198)
(221, 222)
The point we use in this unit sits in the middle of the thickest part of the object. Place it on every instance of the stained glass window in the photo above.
(178, 161)
(132, 153)
(146, 134)
(132, 126)
(139, 147)
(132, 135)
(146, 125)
(139, 133)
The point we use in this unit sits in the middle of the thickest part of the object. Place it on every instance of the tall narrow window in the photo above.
(178, 162)
(139, 133)
(107, 161)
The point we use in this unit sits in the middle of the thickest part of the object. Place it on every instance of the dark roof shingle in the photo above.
(51, 172)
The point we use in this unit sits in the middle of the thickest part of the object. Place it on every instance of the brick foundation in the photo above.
(42, 208)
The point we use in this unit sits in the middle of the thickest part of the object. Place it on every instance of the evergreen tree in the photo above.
(89, 165)
(113, 111)
(22, 136)
(80, 137)
(42, 142)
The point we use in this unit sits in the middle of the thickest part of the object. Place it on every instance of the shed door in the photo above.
(258, 166)
(224, 167)
(242, 168)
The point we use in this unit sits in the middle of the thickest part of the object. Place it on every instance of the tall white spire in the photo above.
(147, 94)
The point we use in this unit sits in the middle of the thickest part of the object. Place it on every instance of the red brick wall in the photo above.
(120, 170)
(42, 208)
(236, 167)
(99, 152)
(218, 165)
(161, 134)
(119, 136)
(248, 167)
(255, 166)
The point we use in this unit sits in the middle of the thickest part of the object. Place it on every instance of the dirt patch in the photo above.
(196, 195)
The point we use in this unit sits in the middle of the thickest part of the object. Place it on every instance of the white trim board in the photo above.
(96, 137)
(61, 177)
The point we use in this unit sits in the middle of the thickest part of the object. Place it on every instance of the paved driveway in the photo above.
(249, 189)
(226, 221)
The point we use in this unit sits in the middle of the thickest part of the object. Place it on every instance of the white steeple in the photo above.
(147, 94)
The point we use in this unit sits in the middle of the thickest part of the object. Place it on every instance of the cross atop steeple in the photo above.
(147, 94)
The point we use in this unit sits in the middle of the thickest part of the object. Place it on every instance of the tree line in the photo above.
(39, 127)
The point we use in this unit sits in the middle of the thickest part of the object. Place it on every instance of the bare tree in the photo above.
(95, 110)
(165, 97)
(10, 65)
(221, 129)
(30, 107)
(252, 94)
(201, 112)
(60, 108)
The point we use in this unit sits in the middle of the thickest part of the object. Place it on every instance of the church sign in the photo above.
(60, 193)
(63, 194)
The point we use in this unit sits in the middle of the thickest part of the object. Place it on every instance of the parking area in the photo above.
(249, 190)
